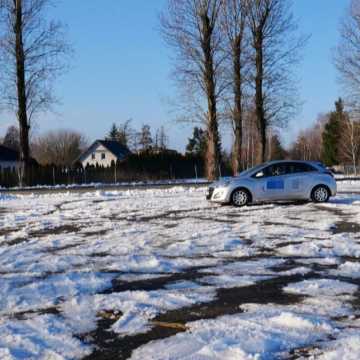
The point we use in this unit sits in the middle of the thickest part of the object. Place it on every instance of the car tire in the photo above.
(320, 194)
(240, 197)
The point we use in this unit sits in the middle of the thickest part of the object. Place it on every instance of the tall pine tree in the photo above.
(113, 133)
(197, 144)
(331, 136)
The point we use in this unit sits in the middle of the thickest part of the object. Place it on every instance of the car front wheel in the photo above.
(240, 197)
(320, 194)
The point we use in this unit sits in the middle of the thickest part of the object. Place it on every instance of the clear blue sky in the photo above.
(121, 68)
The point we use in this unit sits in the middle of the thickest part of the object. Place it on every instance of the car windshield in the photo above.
(249, 171)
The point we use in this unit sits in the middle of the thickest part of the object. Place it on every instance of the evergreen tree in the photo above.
(197, 144)
(113, 133)
(123, 133)
(12, 138)
(277, 151)
(331, 135)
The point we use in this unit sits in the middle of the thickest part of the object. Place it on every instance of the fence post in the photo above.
(196, 173)
(53, 174)
(115, 175)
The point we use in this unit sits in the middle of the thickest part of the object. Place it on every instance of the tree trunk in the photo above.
(21, 94)
(259, 96)
(213, 141)
(238, 111)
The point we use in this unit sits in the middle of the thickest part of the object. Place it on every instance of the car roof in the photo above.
(293, 161)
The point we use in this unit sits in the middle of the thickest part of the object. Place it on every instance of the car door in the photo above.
(270, 182)
(298, 180)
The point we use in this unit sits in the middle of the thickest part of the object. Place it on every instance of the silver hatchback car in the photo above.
(276, 181)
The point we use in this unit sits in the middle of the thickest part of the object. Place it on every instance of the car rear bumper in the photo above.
(333, 188)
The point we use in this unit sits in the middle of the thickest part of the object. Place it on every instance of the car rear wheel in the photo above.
(240, 197)
(320, 194)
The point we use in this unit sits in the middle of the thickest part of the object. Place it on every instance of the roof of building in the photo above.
(7, 154)
(115, 147)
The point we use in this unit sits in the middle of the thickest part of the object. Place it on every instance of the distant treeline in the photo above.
(145, 166)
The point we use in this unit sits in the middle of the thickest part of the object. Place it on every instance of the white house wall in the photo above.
(100, 149)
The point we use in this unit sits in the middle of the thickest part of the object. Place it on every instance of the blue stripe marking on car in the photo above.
(275, 185)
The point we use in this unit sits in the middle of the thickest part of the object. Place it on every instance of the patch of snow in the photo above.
(320, 287)
(40, 337)
(232, 281)
(262, 334)
(7, 197)
(346, 347)
(348, 269)
(137, 307)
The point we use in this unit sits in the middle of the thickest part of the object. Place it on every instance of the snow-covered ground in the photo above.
(163, 274)
(349, 185)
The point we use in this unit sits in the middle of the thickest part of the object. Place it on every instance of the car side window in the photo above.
(278, 169)
(272, 170)
(309, 168)
(302, 168)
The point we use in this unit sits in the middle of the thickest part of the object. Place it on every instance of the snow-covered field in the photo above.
(163, 274)
(349, 185)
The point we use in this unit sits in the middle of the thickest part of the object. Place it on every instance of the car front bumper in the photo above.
(218, 194)
(209, 192)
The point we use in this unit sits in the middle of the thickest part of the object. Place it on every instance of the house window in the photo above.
(103, 156)
(93, 156)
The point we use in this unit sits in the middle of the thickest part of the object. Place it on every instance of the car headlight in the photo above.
(223, 183)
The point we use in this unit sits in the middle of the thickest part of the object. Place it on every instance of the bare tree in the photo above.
(250, 139)
(31, 56)
(233, 26)
(61, 147)
(161, 139)
(301, 149)
(309, 142)
(350, 142)
(347, 61)
(191, 28)
(145, 138)
(347, 56)
(275, 51)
